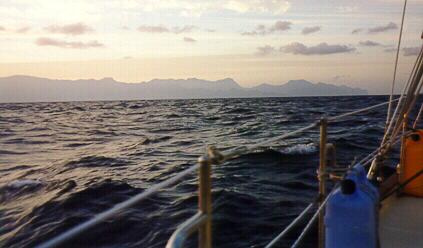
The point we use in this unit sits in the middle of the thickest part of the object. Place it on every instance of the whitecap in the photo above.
(24, 182)
(300, 149)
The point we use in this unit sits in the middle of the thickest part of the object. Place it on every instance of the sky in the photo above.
(252, 41)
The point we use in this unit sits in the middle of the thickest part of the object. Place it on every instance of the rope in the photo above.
(311, 221)
(396, 64)
(55, 242)
(372, 155)
(236, 152)
(401, 186)
(360, 110)
(291, 225)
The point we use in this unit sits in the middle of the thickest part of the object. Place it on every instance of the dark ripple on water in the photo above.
(64, 162)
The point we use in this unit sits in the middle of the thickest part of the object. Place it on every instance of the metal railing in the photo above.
(202, 221)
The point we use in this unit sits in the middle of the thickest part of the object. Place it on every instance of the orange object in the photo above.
(412, 163)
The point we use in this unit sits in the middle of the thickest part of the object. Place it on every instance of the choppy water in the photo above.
(61, 163)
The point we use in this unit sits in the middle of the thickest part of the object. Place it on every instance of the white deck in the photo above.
(401, 222)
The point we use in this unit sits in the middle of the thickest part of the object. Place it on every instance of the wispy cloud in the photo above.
(341, 78)
(390, 50)
(384, 28)
(70, 29)
(309, 30)
(278, 26)
(198, 8)
(152, 29)
(369, 43)
(348, 9)
(189, 39)
(23, 30)
(184, 29)
(43, 41)
(411, 51)
(265, 50)
(2, 28)
(210, 30)
(163, 29)
(259, 6)
(356, 31)
(320, 49)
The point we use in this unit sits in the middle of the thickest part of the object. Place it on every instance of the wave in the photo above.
(8, 152)
(300, 149)
(79, 108)
(254, 195)
(23, 183)
(238, 111)
(19, 188)
(147, 140)
(26, 141)
(96, 161)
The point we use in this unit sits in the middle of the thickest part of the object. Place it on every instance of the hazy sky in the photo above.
(253, 41)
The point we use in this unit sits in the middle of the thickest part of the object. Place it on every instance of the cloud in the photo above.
(369, 43)
(280, 26)
(356, 31)
(348, 9)
(261, 29)
(189, 39)
(23, 30)
(184, 29)
(152, 29)
(309, 30)
(411, 51)
(163, 29)
(210, 30)
(275, 7)
(198, 8)
(43, 41)
(265, 50)
(379, 29)
(390, 50)
(320, 49)
(2, 28)
(70, 29)
(341, 78)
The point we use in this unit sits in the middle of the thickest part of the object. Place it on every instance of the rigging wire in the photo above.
(291, 225)
(418, 117)
(79, 229)
(388, 116)
(403, 93)
(414, 93)
(233, 153)
(311, 221)
(410, 87)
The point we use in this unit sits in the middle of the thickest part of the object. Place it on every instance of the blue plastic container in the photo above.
(359, 175)
(351, 215)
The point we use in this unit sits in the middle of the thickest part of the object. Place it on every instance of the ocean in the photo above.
(62, 163)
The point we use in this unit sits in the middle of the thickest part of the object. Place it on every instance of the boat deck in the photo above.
(401, 222)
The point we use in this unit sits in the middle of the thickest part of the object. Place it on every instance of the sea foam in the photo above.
(300, 149)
